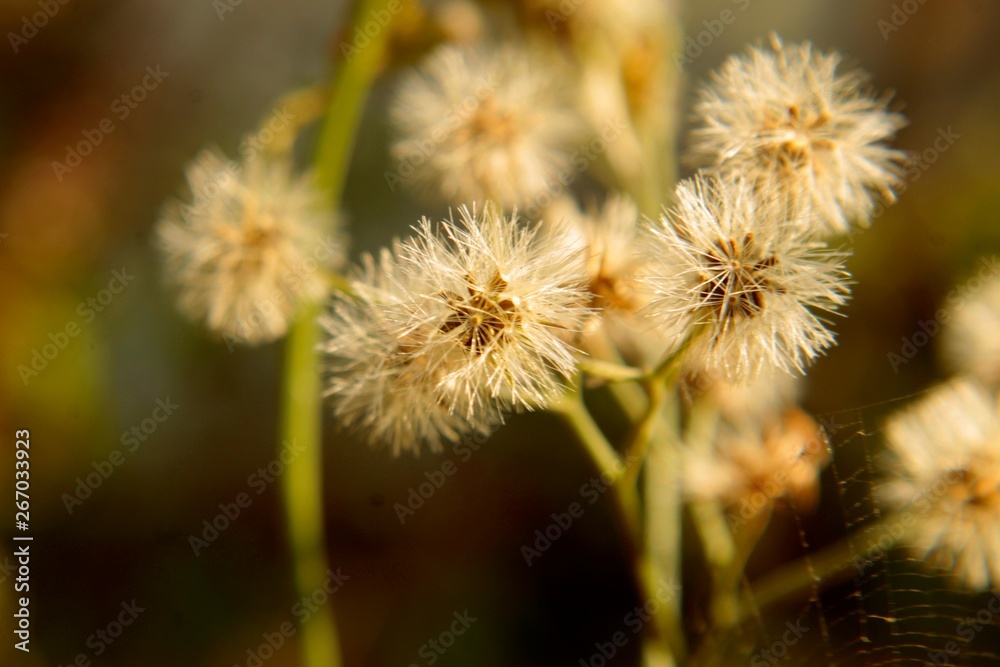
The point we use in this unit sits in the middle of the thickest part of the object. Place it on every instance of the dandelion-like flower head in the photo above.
(787, 119)
(250, 246)
(459, 324)
(484, 124)
(947, 465)
(739, 274)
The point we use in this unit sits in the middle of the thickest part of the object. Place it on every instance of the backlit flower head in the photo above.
(758, 402)
(483, 124)
(456, 326)
(756, 467)
(383, 379)
(609, 239)
(972, 333)
(787, 118)
(500, 303)
(250, 246)
(738, 272)
(947, 466)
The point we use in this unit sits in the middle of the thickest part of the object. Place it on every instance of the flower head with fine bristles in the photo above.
(499, 303)
(787, 118)
(753, 465)
(972, 333)
(250, 247)
(947, 465)
(383, 378)
(481, 124)
(458, 325)
(737, 274)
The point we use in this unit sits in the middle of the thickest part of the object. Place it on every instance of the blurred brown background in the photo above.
(64, 234)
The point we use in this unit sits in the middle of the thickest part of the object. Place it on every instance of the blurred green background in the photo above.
(63, 236)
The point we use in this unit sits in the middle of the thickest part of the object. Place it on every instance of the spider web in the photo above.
(889, 608)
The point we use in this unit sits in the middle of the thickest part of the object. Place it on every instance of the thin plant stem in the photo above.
(627, 510)
(303, 485)
(301, 404)
(610, 371)
(347, 100)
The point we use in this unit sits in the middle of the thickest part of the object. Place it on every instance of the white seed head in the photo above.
(757, 464)
(484, 124)
(462, 323)
(787, 118)
(740, 273)
(502, 302)
(383, 378)
(609, 239)
(250, 246)
(972, 334)
(946, 467)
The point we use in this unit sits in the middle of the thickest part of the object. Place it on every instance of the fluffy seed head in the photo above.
(759, 466)
(609, 238)
(787, 118)
(249, 247)
(458, 325)
(500, 302)
(383, 378)
(486, 124)
(947, 466)
(739, 273)
(972, 334)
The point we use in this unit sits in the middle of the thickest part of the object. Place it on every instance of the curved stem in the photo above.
(301, 404)
(609, 370)
(628, 516)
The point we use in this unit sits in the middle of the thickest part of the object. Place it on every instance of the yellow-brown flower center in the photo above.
(735, 278)
(484, 315)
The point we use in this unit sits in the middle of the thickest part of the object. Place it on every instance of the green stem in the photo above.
(350, 91)
(303, 485)
(609, 370)
(301, 404)
(645, 431)
(665, 631)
